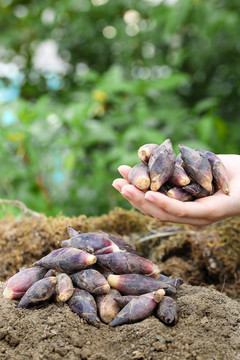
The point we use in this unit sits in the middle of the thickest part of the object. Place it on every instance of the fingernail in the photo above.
(149, 197)
(117, 187)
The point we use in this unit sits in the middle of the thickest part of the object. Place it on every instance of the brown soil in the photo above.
(207, 258)
(208, 329)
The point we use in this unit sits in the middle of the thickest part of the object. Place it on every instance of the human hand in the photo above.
(199, 212)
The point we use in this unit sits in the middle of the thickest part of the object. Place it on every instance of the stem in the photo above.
(20, 205)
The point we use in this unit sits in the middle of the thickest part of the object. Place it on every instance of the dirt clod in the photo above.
(158, 346)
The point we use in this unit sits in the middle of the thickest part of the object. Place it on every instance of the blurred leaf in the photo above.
(16, 137)
(222, 129)
(170, 83)
(206, 128)
(70, 161)
(205, 105)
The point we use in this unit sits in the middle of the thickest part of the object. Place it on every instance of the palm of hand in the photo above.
(199, 212)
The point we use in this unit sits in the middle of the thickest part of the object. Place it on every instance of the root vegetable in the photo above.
(179, 160)
(161, 164)
(50, 272)
(179, 194)
(91, 242)
(124, 300)
(179, 176)
(196, 190)
(138, 280)
(145, 151)
(91, 281)
(135, 284)
(64, 287)
(219, 171)
(126, 263)
(38, 293)
(102, 270)
(168, 172)
(72, 232)
(19, 283)
(139, 177)
(164, 188)
(138, 309)
(67, 260)
(197, 166)
(83, 304)
(107, 250)
(174, 282)
(122, 244)
(167, 311)
(107, 306)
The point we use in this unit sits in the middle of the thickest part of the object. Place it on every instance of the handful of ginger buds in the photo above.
(191, 175)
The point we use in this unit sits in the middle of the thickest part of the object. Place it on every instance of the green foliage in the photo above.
(159, 72)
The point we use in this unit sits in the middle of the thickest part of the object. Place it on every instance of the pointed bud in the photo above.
(91, 281)
(179, 176)
(164, 188)
(139, 177)
(174, 282)
(64, 287)
(161, 164)
(102, 270)
(67, 260)
(179, 160)
(83, 303)
(107, 307)
(167, 311)
(50, 272)
(138, 309)
(135, 284)
(219, 171)
(91, 242)
(145, 151)
(19, 283)
(107, 250)
(122, 244)
(124, 300)
(197, 167)
(179, 194)
(38, 293)
(126, 263)
(196, 190)
(72, 232)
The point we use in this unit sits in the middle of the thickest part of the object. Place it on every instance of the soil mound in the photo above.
(208, 329)
(209, 324)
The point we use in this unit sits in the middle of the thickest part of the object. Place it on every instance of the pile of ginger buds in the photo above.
(101, 278)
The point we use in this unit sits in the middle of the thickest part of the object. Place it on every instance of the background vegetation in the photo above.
(84, 83)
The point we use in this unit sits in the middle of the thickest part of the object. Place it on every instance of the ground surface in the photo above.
(208, 329)
(209, 324)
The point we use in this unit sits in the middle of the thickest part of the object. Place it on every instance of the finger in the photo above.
(231, 163)
(211, 206)
(119, 183)
(130, 192)
(124, 171)
(137, 199)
